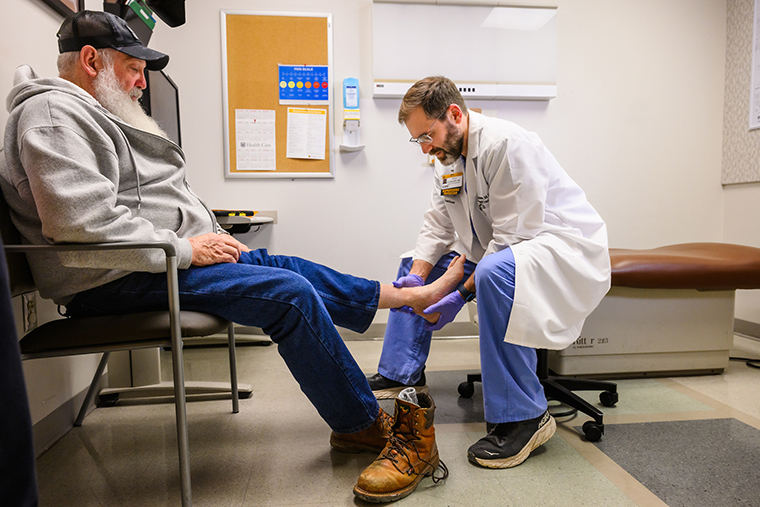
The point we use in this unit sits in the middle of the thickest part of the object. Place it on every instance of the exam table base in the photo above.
(652, 332)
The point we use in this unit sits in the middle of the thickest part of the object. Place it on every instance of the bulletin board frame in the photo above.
(254, 44)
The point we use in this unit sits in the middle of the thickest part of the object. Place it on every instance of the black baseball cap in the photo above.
(104, 30)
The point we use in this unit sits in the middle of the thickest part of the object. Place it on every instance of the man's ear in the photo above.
(456, 113)
(89, 61)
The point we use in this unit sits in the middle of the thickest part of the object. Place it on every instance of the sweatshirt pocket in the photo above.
(184, 223)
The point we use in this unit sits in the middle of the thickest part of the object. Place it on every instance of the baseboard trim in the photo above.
(59, 422)
(747, 329)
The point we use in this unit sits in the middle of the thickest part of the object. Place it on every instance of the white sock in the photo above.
(409, 395)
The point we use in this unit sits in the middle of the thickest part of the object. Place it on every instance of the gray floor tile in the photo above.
(275, 452)
(703, 463)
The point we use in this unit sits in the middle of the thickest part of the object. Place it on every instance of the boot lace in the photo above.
(400, 447)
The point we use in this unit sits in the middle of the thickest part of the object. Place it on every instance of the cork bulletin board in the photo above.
(256, 46)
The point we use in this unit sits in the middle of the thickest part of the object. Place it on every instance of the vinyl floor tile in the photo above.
(275, 452)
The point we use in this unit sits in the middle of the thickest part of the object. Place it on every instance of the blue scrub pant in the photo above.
(296, 302)
(511, 389)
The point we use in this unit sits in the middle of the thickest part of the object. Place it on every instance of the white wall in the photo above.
(637, 122)
(741, 226)
(28, 29)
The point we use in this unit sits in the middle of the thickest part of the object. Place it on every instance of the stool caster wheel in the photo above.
(608, 398)
(593, 431)
(108, 400)
(466, 389)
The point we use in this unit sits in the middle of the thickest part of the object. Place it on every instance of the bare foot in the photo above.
(430, 294)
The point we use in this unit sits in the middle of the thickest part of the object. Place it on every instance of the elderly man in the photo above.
(542, 265)
(82, 163)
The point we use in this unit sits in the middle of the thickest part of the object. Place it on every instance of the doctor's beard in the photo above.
(452, 146)
(109, 93)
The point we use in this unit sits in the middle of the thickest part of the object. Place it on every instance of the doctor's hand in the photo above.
(448, 307)
(407, 281)
(215, 248)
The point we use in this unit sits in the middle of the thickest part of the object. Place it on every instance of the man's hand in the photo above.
(448, 307)
(409, 280)
(215, 248)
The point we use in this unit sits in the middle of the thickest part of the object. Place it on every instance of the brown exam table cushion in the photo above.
(702, 266)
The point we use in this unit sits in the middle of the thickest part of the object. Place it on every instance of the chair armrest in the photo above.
(171, 269)
(167, 247)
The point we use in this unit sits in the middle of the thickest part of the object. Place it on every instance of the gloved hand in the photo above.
(407, 281)
(449, 306)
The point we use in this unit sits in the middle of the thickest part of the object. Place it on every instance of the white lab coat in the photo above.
(516, 195)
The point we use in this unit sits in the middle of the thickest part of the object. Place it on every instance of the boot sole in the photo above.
(539, 438)
(393, 392)
(392, 496)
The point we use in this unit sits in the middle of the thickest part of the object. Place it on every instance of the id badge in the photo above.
(451, 184)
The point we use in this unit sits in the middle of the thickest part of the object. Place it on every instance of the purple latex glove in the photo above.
(407, 281)
(449, 306)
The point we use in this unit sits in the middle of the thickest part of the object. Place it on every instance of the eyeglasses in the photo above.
(426, 138)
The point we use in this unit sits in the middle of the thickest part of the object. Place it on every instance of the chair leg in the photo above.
(233, 369)
(579, 384)
(183, 441)
(554, 390)
(91, 392)
(178, 367)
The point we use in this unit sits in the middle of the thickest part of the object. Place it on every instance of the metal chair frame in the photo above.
(175, 341)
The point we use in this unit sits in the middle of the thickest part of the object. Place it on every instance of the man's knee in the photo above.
(497, 268)
(487, 268)
(294, 285)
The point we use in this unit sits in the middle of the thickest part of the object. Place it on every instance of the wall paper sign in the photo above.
(303, 85)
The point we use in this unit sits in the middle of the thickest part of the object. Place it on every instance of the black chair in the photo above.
(72, 336)
(561, 389)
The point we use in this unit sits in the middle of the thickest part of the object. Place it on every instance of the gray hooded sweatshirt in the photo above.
(72, 172)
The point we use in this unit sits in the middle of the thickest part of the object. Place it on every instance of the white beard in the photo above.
(109, 93)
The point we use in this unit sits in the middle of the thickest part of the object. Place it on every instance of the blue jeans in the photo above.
(296, 302)
(511, 389)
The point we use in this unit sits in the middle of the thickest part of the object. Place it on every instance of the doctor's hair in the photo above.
(434, 94)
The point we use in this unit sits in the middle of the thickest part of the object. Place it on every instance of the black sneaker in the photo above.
(386, 389)
(509, 444)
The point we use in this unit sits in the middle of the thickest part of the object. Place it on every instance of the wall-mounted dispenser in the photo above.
(352, 140)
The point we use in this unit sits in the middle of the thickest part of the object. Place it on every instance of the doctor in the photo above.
(537, 262)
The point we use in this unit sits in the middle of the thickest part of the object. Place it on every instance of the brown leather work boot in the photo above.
(410, 454)
(373, 439)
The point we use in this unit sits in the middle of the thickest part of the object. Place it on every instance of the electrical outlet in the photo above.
(30, 311)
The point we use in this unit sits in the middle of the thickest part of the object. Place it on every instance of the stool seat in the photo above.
(701, 266)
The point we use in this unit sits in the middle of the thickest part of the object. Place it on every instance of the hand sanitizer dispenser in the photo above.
(351, 133)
